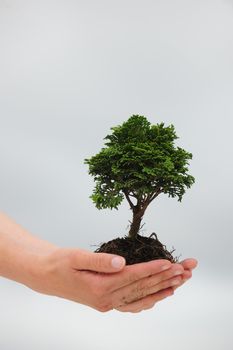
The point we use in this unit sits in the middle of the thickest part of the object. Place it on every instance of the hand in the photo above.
(160, 284)
(188, 265)
(86, 277)
(90, 279)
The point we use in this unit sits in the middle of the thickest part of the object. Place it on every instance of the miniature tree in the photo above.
(140, 161)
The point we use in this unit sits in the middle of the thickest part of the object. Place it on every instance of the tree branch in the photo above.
(155, 195)
(133, 194)
(129, 200)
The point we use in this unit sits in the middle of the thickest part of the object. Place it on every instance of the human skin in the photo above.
(101, 281)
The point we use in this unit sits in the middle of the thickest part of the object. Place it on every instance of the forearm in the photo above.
(13, 232)
(20, 252)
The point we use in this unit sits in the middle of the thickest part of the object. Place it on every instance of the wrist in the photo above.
(26, 264)
(37, 270)
(43, 268)
(24, 258)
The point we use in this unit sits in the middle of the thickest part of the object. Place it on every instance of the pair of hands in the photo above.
(99, 280)
(103, 281)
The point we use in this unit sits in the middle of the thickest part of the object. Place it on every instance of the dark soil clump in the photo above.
(137, 250)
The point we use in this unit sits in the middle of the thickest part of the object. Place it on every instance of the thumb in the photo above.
(99, 262)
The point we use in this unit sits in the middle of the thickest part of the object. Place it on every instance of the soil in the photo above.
(138, 249)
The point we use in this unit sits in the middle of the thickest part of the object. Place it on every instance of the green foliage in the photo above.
(140, 160)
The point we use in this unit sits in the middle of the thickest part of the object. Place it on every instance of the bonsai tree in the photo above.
(140, 162)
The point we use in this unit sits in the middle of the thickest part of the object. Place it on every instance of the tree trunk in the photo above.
(135, 225)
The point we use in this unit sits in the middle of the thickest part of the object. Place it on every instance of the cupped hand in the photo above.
(103, 281)
(99, 280)
(149, 289)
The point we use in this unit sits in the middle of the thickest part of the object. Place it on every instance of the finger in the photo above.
(189, 264)
(135, 272)
(137, 293)
(99, 262)
(149, 285)
(175, 271)
(175, 281)
(149, 306)
(146, 302)
(185, 277)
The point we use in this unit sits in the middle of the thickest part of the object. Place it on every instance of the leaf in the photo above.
(139, 157)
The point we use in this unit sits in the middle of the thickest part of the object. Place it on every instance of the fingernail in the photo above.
(118, 262)
(177, 272)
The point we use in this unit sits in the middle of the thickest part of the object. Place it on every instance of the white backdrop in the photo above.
(69, 70)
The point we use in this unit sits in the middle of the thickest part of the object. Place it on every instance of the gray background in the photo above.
(69, 70)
